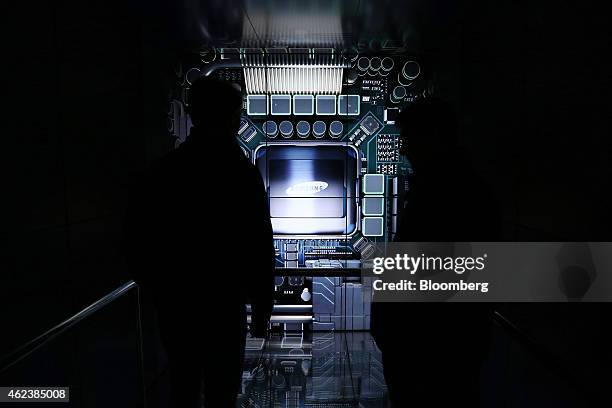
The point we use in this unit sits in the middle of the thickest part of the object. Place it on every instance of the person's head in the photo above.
(215, 105)
(428, 132)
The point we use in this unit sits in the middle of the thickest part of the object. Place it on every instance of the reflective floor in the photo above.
(315, 370)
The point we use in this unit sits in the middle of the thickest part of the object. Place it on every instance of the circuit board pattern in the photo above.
(355, 109)
(387, 148)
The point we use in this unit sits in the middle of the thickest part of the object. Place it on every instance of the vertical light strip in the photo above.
(292, 73)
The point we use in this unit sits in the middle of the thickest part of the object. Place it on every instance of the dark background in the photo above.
(85, 112)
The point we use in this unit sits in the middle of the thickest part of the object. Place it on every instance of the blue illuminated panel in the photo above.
(372, 226)
(348, 105)
(303, 105)
(280, 104)
(326, 104)
(257, 105)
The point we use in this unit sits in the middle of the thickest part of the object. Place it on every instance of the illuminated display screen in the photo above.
(311, 188)
(306, 188)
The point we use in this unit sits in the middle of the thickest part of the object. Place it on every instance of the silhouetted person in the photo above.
(200, 240)
(432, 352)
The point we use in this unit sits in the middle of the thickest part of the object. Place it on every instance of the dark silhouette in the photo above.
(200, 240)
(432, 352)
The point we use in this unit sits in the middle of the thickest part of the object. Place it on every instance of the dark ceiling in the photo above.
(330, 23)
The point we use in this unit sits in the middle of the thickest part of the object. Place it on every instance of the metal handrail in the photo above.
(23, 351)
(28, 348)
(542, 354)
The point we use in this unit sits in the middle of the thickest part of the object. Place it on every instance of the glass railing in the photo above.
(522, 368)
(97, 353)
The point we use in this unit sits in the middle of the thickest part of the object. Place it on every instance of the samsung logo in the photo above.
(307, 188)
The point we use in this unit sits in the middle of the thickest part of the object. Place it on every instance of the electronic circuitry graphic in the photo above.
(313, 370)
(319, 124)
